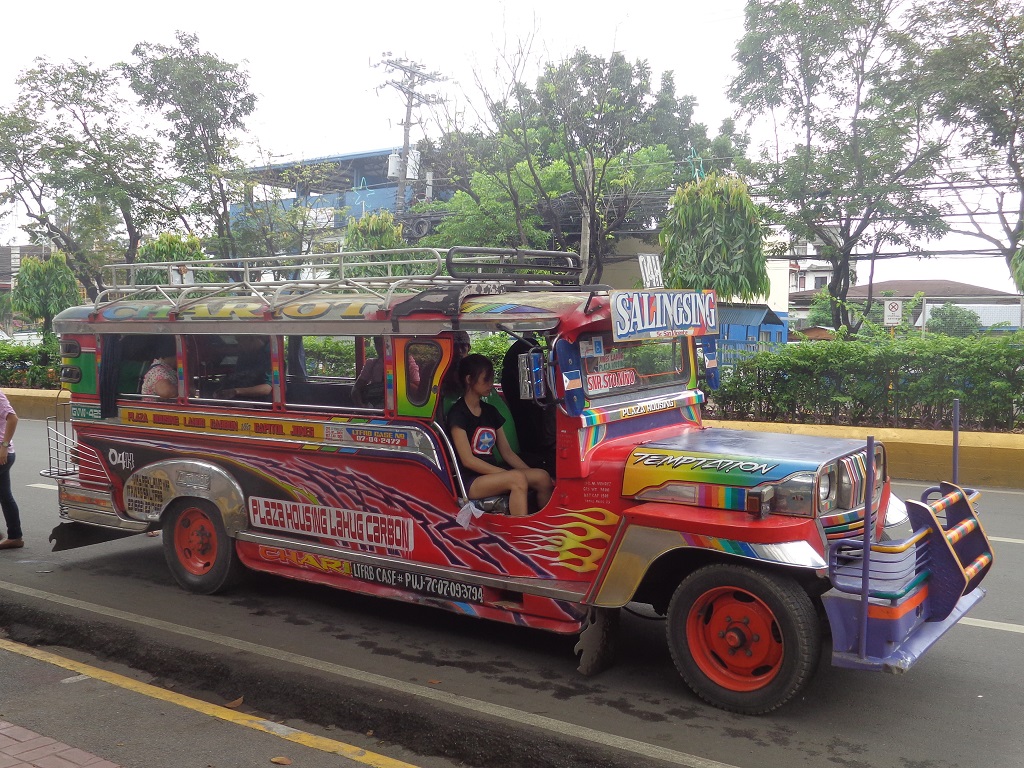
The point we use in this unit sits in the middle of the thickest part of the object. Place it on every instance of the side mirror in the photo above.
(531, 376)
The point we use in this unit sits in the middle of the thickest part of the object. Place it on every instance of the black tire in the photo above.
(197, 548)
(744, 640)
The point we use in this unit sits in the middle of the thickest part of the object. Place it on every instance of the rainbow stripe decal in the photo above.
(687, 401)
(720, 497)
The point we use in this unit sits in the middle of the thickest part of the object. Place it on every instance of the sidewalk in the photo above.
(22, 748)
(56, 712)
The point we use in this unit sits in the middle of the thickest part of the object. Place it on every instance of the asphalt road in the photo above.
(442, 690)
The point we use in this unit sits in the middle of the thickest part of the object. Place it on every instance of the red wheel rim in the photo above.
(195, 541)
(735, 639)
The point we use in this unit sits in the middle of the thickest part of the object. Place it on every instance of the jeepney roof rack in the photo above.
(279, 281)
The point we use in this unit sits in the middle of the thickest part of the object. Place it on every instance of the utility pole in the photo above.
(411, 77)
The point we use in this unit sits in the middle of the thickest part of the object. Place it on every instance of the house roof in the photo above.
(906, 289)
(747, 314)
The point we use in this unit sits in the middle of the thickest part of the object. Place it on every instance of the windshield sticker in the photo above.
(592, 347)
(343, 524)
(659, 314)
(614, 359)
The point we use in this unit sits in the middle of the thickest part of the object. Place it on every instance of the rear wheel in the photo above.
(198, 550)
(743, 640)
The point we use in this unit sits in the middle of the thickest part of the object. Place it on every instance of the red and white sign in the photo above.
(602, 382)
(343, 524)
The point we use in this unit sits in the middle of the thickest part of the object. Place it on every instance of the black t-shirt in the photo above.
(481, 430)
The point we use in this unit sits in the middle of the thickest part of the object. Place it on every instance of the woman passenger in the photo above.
(475, 428)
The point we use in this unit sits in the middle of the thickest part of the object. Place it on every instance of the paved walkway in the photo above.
(22, 748)
(57, 712)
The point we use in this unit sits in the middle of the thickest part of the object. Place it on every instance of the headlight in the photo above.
(796, 495)
(828, 488)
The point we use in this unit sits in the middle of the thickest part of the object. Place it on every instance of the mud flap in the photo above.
(598, 641)
(74, 535)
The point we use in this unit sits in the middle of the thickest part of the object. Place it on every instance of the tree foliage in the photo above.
(205, 101)
(496, 211)
(168, 247)
(90, 176)
(45, 288)
(713, 237)
(586, 151)
(269, 225)
(87, 180)
(850, 180)
(953, 320)
(969, 68)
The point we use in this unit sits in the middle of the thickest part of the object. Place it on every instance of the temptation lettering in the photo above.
(700, 462)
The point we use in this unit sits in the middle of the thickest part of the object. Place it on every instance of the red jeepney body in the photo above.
(308, 484)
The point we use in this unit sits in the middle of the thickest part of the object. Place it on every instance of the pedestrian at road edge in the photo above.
(12, 517)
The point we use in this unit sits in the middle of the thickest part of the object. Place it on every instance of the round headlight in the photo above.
(825, 487)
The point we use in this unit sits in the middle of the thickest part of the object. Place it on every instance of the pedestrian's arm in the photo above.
(10, 425)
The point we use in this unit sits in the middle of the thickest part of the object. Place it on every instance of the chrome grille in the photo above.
(848, 517)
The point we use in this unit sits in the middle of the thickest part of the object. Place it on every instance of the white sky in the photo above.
(310, 63)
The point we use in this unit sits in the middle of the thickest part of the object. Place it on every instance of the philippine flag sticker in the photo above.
(572, 380)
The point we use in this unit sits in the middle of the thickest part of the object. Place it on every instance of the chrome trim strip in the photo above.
(101, 519)
(568, 591)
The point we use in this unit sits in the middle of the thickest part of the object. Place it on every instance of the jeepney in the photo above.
(753, 545)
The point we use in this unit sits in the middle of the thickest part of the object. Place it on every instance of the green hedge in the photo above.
(904, 382)
(30, 366)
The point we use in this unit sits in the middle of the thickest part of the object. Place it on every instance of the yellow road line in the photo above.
(293, 735)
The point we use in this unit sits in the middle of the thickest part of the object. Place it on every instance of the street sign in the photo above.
(893, 312)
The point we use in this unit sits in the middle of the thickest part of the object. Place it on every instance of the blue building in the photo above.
(339, 186)
(748, 328)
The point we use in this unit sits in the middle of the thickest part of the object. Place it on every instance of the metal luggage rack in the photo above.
(279, 281)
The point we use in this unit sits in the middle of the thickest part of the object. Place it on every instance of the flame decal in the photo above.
(578, 544)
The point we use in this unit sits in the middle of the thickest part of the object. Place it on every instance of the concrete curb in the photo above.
(36, 403)
(986, 459)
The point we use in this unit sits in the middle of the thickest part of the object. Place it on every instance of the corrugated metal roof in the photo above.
(747, 314)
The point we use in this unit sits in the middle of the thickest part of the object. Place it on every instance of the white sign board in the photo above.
(650, 270)
(893, 312)
(655, 314)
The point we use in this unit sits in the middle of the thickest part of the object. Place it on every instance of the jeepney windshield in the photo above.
(630, 366)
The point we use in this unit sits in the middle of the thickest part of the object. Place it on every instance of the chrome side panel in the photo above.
(149, 491)
(642, 546)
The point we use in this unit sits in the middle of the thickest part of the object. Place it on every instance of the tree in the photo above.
(377, 232)
(270, 225)
(87, 180)
(7, 313)
(953, 320)
(972, 55)
(172, 247)
(45, 287)
(852, 180)
(597, 117)
(494, 213)
(820, 311)
(713, 237)
(205, 101)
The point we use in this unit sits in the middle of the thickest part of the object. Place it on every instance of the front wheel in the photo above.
(744, 640)
(197, 548)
